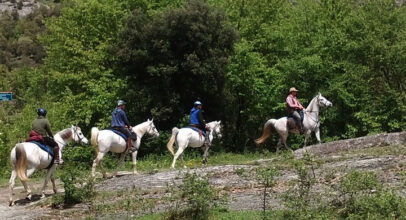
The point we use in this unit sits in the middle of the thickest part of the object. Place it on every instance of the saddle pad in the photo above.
(45, 148)
(198, 131)
(119, 133)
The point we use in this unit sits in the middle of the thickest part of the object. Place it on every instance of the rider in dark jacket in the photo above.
(42, 126)
(120, 122)
(196, 120)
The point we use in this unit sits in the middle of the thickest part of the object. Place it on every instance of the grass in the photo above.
(217, 215)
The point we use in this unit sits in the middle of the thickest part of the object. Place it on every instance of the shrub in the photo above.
(196, 195)
(382, 205)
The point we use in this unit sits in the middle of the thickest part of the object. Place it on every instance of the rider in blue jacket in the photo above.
(196, 120)
(120, 122)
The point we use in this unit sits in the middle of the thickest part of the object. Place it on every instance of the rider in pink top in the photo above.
(294, 108)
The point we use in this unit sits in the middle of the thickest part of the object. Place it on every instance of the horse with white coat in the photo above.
(27, 157)
(311, 123)
(107, 140)
(185, 137)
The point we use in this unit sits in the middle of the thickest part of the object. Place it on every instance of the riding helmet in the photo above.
(197, 103)
(120, 102)
(42, 111)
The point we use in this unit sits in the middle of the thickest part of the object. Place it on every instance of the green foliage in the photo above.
(267, 178)
(196, 195)
(367, 199)
(358, 182)
(77, 46)
(382, 205)
(174, 58)
(78, 186)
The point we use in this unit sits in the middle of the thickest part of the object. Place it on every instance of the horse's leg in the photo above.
(134, 164)
(307, 136)
(12, 182)
(96, 162)
(26, 187)
(278, 145)
(178, 153)
(317, 133)
(120, 162)
(47, 178)
(206, 154)
(284, 138)
(53, 184)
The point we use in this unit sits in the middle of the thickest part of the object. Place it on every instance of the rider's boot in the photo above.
(301, 130)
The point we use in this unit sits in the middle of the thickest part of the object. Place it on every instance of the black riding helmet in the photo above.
(42, 112)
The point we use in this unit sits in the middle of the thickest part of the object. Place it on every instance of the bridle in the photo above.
(76, 133)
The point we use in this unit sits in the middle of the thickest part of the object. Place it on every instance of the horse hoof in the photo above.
(10, 203)
(43, 196)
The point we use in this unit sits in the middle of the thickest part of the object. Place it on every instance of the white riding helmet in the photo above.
(120, 102)
(197, 103)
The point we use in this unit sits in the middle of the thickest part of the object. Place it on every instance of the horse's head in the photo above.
(152, 129)
(78, 136)
(323, 102)
(215, 126)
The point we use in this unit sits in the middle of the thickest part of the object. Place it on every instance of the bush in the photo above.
(382, 205)
(196, 195)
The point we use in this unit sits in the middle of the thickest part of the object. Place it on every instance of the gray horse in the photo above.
(311, 123)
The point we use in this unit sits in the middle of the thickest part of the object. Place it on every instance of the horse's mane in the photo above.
(66, 133)
(310, 106)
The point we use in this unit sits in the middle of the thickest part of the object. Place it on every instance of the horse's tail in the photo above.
(21, 162)
(266, 131)
(169, 145)
(94, 134)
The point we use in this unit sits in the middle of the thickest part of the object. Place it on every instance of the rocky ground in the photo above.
(383, 154)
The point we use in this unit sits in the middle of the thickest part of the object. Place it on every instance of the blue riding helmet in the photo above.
(197, 103)
(42, 111)
(120, 102)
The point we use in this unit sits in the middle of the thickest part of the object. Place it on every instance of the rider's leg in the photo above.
(130, 137)
(298, 120)
(55, 148)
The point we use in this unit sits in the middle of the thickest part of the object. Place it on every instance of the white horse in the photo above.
(107, 140)
(311, 123)
(185, 137)
(27, 157)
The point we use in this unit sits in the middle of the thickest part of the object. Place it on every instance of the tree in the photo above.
(174, 58)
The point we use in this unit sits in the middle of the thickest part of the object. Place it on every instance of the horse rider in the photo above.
(294, 108)
(120, 122)
(42, 127)
(196, 120)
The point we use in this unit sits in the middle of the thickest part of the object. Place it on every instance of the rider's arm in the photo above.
(200, 118)
(124, 117)
(48, 129)
(291, 102)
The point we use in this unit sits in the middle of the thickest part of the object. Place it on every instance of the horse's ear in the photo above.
(220, 122)
(152, 119)
(148, 119)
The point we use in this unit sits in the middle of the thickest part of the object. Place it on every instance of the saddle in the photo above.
(118, 133)
(47, 149)
(126, 139)
(292, 125)
(198, 130)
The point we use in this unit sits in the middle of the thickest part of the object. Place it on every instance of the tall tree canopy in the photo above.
(174, 58)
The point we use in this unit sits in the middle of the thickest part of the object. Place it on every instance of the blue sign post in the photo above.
(6, 96)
